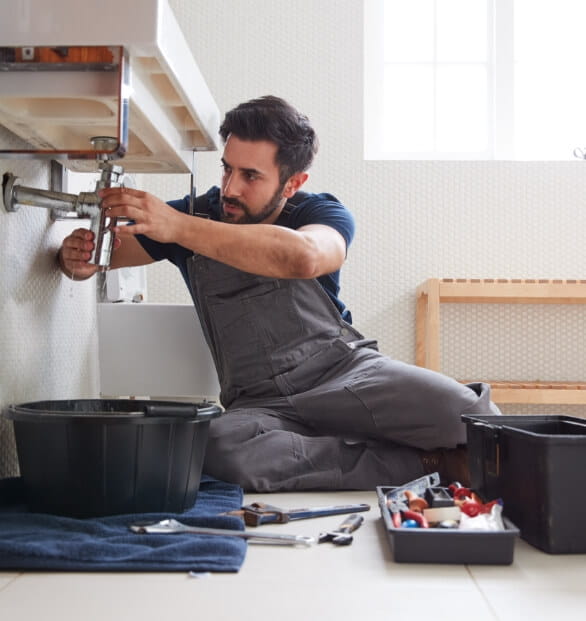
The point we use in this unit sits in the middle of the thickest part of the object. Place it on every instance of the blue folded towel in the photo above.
(37, 541)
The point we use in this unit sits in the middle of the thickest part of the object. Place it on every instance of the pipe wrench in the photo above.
(259, 513)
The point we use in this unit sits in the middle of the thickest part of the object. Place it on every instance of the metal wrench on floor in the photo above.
(173, 527)
(341, 536)
(258, 513)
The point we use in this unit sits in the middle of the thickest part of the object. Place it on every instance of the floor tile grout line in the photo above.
(9, 581)
(482, 593)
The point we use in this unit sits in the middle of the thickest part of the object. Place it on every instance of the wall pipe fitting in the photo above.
(83, 205)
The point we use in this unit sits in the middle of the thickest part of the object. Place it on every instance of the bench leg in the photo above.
(427, 340)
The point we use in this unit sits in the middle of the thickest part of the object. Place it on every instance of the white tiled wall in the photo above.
(47, 323)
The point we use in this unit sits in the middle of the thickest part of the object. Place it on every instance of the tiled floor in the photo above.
(358, 582)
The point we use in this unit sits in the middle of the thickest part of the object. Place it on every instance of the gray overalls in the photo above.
(310, 403)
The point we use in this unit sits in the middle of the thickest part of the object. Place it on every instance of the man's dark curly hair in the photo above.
(272, 118)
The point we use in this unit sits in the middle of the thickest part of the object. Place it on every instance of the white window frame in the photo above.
(498, 104)
(501, 91)
(502, 79)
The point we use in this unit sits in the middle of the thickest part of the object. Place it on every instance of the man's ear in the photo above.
(294, 183)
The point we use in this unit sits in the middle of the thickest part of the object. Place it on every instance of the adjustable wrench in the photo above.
(173, 527)
(341, 536)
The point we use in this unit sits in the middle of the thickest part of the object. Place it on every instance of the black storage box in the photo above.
(438, 545)
(537, 465)
(94, 457)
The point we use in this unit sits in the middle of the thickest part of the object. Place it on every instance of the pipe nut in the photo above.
(8, 182)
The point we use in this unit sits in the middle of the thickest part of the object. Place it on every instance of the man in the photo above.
(310, 403)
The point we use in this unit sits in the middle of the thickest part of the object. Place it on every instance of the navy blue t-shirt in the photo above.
(302, 209)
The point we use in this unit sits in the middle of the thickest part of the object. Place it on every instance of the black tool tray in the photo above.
(438, 545)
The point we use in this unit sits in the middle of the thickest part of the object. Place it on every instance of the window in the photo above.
(474, 79)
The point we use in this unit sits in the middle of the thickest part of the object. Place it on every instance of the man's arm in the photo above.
(266, 249)
(263, 249)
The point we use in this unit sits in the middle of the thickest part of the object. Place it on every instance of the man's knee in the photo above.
(483, 405)
(223, 460)
(234, 446)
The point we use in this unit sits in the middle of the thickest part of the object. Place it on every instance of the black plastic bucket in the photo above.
(95, 457)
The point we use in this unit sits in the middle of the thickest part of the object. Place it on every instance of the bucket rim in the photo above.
(111, 410)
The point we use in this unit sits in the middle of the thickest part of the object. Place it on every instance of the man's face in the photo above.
(251, 191)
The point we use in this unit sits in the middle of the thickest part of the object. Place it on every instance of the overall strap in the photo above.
(292, 202)
(200, 206)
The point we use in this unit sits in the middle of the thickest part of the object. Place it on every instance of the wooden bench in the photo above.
(434, 291)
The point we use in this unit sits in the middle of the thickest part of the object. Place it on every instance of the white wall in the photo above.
(415, 219)
(47, 324)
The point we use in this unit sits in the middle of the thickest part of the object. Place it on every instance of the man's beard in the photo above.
(250, 218)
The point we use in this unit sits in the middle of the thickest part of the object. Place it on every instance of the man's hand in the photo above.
(74, 254)
(150, 216)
